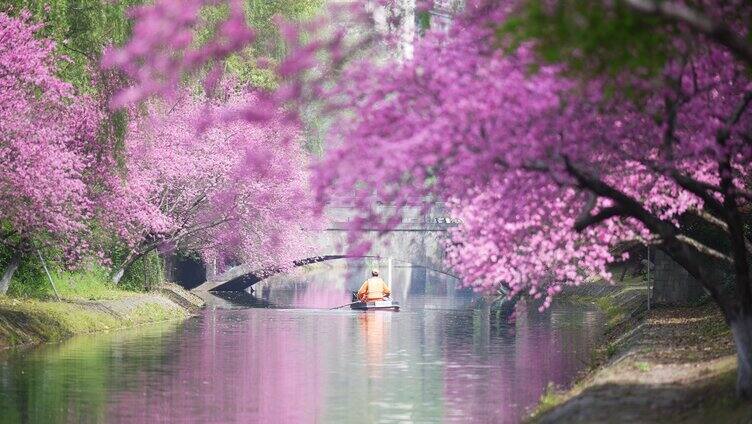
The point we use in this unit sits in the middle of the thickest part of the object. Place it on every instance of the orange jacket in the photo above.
(374, 288)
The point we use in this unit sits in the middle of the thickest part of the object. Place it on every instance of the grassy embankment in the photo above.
(666, 365)
(88, 304)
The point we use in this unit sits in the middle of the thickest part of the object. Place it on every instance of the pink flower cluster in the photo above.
(470, 125)
(234, 191)
(195, 174)
(53, 166)
(163, 49)
(515, 153)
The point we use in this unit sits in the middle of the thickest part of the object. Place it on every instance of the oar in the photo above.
(346, 304)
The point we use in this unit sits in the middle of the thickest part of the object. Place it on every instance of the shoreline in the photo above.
(651, 366)
(29, 322)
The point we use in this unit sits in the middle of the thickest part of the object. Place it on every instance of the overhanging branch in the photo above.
(680, 247)
(628, 205)
(722, 225)
(704, 248)
(585, 221)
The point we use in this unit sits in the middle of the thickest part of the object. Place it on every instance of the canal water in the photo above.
(280, 356)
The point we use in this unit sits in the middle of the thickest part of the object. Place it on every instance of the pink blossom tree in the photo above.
(53, 166)
(233, 191)
(547, 172)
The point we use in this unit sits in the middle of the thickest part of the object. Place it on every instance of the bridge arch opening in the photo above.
(240, 279)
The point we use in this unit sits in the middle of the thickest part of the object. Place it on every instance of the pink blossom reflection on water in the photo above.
(304, 366)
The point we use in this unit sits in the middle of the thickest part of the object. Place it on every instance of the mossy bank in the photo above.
(32, 321)
(666, 365)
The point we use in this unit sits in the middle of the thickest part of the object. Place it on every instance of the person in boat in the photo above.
(374, 288)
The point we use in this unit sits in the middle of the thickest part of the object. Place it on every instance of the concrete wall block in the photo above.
(672, 284)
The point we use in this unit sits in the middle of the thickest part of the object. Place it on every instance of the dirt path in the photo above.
(678, 365)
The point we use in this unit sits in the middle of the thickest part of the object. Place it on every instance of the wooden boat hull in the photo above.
(381, 305)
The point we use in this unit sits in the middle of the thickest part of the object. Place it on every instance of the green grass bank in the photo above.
(88, 307)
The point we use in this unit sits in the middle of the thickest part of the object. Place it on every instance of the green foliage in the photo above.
(114, 129)
(245, 68)
(154, 312)
(269, 43)
(611, 350)
(591, 38)
(29, 279)
(89, 284)
(642, 366)
(145, 274)
(316, 125)
(551, 398)
(34, 321)
(423, 21)
(81, 30)
(261, 15)
(614, 312)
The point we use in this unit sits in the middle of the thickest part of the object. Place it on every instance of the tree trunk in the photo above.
(129, 260)
(741, 328)
(623, 272)
(118, 275)
(169, 266)
(15, 261)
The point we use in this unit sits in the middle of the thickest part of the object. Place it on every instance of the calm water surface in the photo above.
(444, 358)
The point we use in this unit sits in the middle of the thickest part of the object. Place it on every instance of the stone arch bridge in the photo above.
(416, 240)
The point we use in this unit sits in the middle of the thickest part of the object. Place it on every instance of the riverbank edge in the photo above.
(624, 308)
(632, 335)
(26, 322)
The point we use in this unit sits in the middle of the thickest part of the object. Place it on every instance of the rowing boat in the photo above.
(377, 305)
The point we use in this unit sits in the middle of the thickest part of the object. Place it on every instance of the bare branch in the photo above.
(585, 221)
(704, 248)
(641, 241)
(732, 216)
(669, 135)
(739, 111)
(682, 251)
(629, 206)
(589, 206)
(711, 219)
(82, 53)
(701, 190)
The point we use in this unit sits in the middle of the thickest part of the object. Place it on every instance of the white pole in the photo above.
(57, 296)
(647, 262)
(389, 272)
